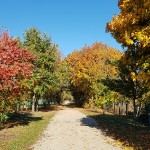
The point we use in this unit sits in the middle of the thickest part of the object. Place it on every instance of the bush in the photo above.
(3, 117)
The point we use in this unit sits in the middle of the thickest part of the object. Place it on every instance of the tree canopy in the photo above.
(131, 28)
(44, 79)
(15, 66)
(89, 65)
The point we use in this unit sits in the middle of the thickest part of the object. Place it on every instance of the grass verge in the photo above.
(127, 131)
(24, 130)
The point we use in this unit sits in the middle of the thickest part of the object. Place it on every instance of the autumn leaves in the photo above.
(87, 67)
(15, 66)
(131, 28)
(128, 73)
(96, 73)
(27, 69)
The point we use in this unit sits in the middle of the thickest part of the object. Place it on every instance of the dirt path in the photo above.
(72, 130)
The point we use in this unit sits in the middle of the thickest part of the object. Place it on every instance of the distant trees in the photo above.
(87, 68)
(103, 76)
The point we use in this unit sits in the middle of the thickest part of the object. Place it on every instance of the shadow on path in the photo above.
(121, 128)
(88, 121)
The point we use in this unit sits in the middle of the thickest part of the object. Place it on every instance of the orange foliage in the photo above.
(91, 63)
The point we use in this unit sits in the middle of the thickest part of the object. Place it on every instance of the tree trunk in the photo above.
(126, 109)
(149, 114)
(18, 107)
(114, 107)
(134, 98)
(134, 107)
(139, 110)
(103, 110)
(36, 105)
(33, 103)
(119, 111)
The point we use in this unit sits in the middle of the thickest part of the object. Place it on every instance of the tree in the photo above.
(126, 82)
(131, 28)
(87, 66)
(44, 78)
(132, 25)
(15, 66)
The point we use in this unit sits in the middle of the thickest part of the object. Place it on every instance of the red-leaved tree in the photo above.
(15, 66)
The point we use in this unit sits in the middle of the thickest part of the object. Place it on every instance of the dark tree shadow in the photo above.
(88, 121)
(123, 129)
(19, 119)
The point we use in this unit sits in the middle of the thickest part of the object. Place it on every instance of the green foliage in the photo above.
(45, 79)
(4, 112)
(66, 95)
(3, 117)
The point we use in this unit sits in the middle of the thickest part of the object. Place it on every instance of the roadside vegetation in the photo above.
(23, 129)
(34, 76)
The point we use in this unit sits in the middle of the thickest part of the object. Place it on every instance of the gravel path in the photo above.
(72, 130)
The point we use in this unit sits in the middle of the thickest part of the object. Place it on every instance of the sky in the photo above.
(72, 24)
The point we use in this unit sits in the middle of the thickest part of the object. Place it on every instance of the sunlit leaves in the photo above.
(15, 66)
(132, 23)
(131, 28)
(90, 64)
(48, 56)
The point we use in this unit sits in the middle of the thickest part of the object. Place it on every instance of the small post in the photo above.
(149, 114)
(119, 109)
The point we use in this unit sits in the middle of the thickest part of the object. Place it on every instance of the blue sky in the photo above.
(72, 24)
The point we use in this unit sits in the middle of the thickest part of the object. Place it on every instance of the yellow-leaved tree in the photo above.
(131, 28)
(89, 65)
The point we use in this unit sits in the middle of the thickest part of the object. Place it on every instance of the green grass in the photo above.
(23, 130)
(127, 131)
